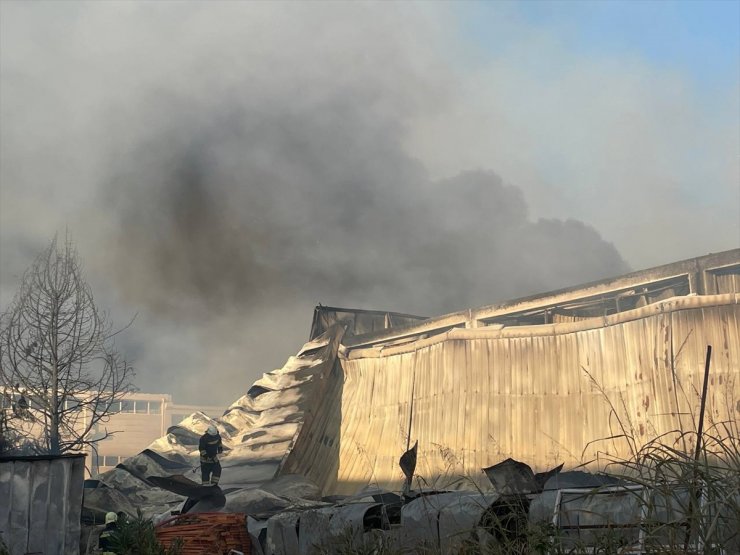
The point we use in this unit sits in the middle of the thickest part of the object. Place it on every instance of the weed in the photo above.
(137, 536)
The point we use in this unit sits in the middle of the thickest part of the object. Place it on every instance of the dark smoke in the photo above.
(226, 169)
(238, 220)
(336, 213)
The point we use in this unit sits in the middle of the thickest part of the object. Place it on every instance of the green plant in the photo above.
(137, 536)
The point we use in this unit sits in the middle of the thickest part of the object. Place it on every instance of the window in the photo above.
(724, 280)
(127, 406)
(115, 407)
(35, 402)
(155, 407)
(110, 460)
(140, 407)
(71, 403)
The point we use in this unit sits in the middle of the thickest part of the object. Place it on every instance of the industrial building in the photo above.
(135, 421)
(581, 376)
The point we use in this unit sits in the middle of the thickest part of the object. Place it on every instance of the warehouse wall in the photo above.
(541, 394)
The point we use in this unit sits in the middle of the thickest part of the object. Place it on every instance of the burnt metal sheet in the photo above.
(312, 530)
(584, 516)
(282, 534)
(260, 503)
(514, 477)
(100, 500)
(443, 521)
(358, 321)
(349, 522)
(181, 485)
(41, 503)
(458, 520)
(293, 486)
(257, 530)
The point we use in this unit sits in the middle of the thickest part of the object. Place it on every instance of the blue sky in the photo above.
(699, 39)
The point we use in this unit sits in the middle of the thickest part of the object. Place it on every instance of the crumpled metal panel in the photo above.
(41, 503)
(313, 527)
(98, 501)
(458, 519)
(258, 432)
(541, 509)
(328, 528)
(293, 486)
(359, 322)
(515, 477)
(443, 521)
(257, 530)
(282, 534)
(584, 516)
(347, 525)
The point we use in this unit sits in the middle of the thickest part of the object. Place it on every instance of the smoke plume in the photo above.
(226, 168)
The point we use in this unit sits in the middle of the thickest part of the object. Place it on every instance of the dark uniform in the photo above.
(210, 447)
(104, 541)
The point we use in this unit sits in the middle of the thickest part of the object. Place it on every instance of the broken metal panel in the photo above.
(282, 534)
(312, 529)
(458, 519)
(348, 523)
(314, 452)
(608, 516)
(257, 530)
(258, 431)
(514, 477)
(293, 486)
(358, 321)
(256, 502)
(41, 503)
(511, 476)
(443, 521)
(99, 500)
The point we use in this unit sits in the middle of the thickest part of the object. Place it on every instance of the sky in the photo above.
(223, 168)
(698, 38)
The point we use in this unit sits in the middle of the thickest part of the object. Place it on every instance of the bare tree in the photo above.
(58, 362)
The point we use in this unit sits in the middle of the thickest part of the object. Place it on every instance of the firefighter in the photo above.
(210, 446)
(105, 543)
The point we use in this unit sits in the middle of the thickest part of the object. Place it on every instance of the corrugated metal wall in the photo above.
(40, 504)
(540, 394)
